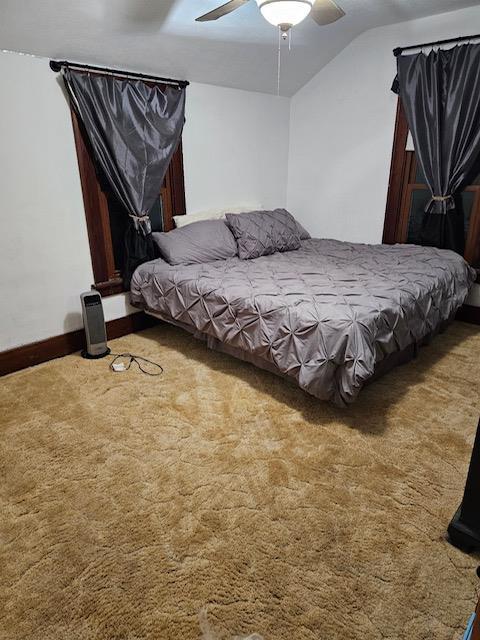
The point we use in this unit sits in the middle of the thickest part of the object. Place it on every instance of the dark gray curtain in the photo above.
(134, 129)
(441, 96)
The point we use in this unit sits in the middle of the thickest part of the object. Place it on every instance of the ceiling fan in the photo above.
(284, 13)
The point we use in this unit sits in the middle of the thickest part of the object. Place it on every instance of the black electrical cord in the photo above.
(138, 360)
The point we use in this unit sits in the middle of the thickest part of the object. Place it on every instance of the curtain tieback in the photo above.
(142, 223)
(442, 198)
(440, 204)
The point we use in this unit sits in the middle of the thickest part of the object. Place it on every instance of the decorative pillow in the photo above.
(213, 214)
(260, 233)
(303, 233)
(202, 241)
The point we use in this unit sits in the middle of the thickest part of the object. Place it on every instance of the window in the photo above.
(408, 195)
(107, 219)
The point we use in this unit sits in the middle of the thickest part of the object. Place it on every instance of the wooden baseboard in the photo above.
(469, 313)
(58, 346)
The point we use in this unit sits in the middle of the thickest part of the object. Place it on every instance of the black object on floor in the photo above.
(464, 529)
(84, 353)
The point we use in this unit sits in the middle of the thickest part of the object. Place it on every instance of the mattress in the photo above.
(325, 315)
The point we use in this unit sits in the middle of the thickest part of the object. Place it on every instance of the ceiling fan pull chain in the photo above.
(278, 59)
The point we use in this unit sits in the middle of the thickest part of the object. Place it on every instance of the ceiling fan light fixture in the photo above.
(285, 12)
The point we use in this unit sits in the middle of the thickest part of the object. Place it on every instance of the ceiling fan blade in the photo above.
(228, 7)
(326, 12)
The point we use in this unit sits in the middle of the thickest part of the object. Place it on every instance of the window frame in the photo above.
(402, 184)
(108, 279)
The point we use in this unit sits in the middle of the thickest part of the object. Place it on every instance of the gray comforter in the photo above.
(325, 314)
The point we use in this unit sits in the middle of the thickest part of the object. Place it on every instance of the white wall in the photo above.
(235, 148)
(44, 257)
(341, 130)
(232, 153)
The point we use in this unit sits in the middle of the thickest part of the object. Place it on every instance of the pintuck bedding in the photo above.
(326, 314)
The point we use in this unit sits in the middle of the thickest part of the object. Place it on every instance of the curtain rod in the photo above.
(57, 65)
(399, 50)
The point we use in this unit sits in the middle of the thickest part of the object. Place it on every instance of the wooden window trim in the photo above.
(403, 165)
(397, 175)
(107, 279)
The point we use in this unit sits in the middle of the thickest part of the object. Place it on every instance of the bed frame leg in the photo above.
(464, 529)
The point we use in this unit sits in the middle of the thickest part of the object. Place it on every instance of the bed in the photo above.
(330, 315)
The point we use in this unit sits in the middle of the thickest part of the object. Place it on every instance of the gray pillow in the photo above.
(303, 233)
(203, 241)
(260, 233)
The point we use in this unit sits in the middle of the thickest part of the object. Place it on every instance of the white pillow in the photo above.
(182, 221)
(213, 214)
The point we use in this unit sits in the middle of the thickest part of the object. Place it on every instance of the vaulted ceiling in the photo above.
(162, 37)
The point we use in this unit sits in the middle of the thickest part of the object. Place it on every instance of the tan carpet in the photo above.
(220, 501)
